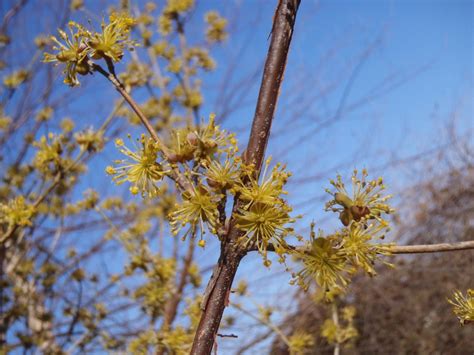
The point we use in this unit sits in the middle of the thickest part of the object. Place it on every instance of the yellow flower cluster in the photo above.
(301, 342)
(216, 30)
(264, 214)
(15, 79)
(332, 260)
(90, 140)
(323, 262)
(341, 332)
(111, 42)
(141, 167)
(366, 201)
(17, 212)
(463, 306)
(76, 49)
(200, 207)
(170, 12)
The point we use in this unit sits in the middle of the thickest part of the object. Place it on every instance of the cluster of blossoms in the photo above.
(207, 158)
(264, 215)
(331, 260)
(16, 212)
(216, 27)
(366, 201)
(79, 46)
(140, 168)
(343, 331)
(463, 306)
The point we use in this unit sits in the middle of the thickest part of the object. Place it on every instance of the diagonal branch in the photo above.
(176, 174)
(218, 288)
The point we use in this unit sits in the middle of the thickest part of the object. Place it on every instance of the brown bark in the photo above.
(218, 288)
(274, 69)
(220, 284)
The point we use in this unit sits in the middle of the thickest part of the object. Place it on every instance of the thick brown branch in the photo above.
(282, 32)
(218, 289)
(220, 285)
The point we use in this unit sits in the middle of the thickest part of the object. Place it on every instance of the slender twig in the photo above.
(335, 319)
(171, 306)
(176, 174)
(265, 322)
(227, 335)
(407, 249)
(431, 248)
(119, 87)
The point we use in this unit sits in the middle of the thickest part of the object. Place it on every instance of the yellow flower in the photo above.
(264, 224)
(16, 212)
(216, 30)
(73, 52)
(76, 4)
(179, 6)
(301, 342)
(113, 39)
(323, 262)
(90, 140)
(200, 207)
(202, 58)
(357, 247)
(222, 175)
(15, 79)
(270, 188)
(366, 201)
(5, 120)
(48, 158)
(463, 306)
(337, 333)
(44, 114)
(175, 65)
(141, 168)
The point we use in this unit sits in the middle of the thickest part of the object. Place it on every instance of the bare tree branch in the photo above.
(218, 289)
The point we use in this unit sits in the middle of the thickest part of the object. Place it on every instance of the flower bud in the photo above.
(83, 68)
(346, 217)
(343, 199)
(173, 158)
(192, 138)
(212, 183)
